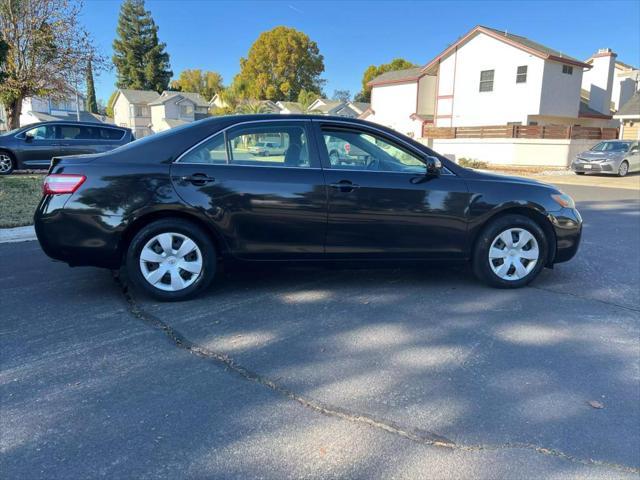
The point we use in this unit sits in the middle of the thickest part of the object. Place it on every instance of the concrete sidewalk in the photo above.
(18, 234)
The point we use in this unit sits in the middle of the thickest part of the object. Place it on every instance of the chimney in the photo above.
(601, 79)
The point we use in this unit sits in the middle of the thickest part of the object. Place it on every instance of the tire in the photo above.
(580, 173)
(7, 163)
(488, 270)
(175, 283)
(623, 169)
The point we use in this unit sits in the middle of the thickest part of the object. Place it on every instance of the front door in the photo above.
(272, 205)
(38, 145)
(382, 203)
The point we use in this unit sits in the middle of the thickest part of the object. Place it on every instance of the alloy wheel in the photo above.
(5, 163)
(514, 253)
(171, 261)
(623, 169)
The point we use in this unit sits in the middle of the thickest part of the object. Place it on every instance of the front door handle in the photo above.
(344, 186)
(198, 178)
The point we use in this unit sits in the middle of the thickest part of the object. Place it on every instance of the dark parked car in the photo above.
(171, 206)
(34, 145)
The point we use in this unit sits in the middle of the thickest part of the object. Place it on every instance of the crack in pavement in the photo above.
(420, 436)
(589, 299)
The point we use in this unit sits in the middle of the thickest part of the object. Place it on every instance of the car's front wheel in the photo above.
(6, 163)
(623, 169)
(171, 259)
(510, 252)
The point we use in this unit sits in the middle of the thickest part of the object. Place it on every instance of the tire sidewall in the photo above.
(183, 227)
(481, 265)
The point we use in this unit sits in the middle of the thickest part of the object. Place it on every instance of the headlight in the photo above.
(563, 200)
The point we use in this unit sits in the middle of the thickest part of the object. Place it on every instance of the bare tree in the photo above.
(48, 51)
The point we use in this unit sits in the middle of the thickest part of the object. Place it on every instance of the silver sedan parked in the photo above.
(616, 157)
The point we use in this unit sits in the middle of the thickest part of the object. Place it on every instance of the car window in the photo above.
(611, 147)
(74, 132)
(43, 132)
(110, 133)
(212, 151)
(280, 145)
(358, 150)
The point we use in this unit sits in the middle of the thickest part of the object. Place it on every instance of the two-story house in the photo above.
(146, 112)
(609, 79)
(487, 77)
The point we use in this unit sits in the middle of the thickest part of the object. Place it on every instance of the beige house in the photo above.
(629, 116)
(145, 112)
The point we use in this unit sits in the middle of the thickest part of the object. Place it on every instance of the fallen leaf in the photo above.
(595, 404)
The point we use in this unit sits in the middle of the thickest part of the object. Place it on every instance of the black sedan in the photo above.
(34, 145)
(170, 207)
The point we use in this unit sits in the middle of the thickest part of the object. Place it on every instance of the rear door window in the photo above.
(110, 133)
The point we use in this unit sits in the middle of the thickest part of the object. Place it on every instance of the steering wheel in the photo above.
(372, 163)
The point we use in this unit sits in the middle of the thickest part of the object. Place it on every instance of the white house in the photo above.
(146, 112)
(487, 77)
(609, 77)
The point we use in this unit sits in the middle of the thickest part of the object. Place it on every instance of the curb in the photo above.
(18, 234)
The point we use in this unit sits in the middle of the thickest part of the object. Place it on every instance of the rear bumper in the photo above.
(567, 225)
(77, 238)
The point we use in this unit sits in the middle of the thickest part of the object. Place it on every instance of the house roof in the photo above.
(325, 106)
(518, 41)
(139, 96)
(397, 76)
(195, 98)
(360, 107)
(86, 117)
(631, 108)
(585, 111)
(294, 107)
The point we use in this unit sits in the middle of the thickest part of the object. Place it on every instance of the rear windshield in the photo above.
(612, 147)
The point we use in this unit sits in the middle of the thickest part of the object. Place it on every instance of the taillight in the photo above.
(59, 183)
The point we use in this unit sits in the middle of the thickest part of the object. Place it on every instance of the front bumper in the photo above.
(567, 226)
(593, 167)
(78, 238)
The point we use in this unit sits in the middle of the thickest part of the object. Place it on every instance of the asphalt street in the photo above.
(329, 372)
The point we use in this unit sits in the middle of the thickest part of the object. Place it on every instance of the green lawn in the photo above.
(19, 196)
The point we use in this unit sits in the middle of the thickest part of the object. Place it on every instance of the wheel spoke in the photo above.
(156, 275)
(192, 267)
(149, 255)
(507, 238)
(165, 240)
(186, 248)
(520, 272)
(177, 282)
(497, 253)
(524, 237)
(504, 268)
(532, 254)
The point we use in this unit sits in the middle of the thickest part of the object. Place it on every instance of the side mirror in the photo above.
(434, 166)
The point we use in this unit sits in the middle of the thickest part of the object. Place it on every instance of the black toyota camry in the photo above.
(171, 207)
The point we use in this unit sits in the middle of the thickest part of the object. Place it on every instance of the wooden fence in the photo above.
(522, 131)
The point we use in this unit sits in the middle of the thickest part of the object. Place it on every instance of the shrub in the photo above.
(472, 163)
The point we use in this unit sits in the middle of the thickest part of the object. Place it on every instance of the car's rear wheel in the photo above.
(510, 252)
(623, 169)
(7, 164)
(171, 259)
(579, 173)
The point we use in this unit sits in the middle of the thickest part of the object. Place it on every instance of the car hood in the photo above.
(497, 177)
(590, 155)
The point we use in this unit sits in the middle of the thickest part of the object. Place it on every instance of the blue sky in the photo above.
(213, 35)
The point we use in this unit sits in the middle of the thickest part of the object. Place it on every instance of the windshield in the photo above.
(10, 132)
(611, 147)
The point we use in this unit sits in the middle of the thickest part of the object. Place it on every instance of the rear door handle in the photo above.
(198, 178)
(344, 186)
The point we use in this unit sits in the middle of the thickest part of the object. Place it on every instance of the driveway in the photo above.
(334, 372)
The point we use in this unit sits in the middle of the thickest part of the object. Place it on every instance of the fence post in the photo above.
(513, 131)
(569, 132)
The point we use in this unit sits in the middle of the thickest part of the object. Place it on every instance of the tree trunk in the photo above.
(14, 109)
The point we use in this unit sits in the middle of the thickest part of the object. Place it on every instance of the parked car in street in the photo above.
(266, 149)
(170, 207)
(614, 157)
(34, 145)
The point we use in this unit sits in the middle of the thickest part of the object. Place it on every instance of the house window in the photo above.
(186, 110)
(140, 111)
(567, 69)
(521, 75)
(486, 81)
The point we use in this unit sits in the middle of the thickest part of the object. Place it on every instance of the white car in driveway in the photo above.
(266, 149)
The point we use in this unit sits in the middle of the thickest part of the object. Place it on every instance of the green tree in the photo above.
(92, 103)
(4, 49)
(47, 48)
(281, 63)
(205, 83)
(251, 107)
(305, 99)
(110, 102)
(139, 57)
(373, 71)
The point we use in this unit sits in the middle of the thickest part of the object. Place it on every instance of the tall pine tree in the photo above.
(92, 103)
(140, 58)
